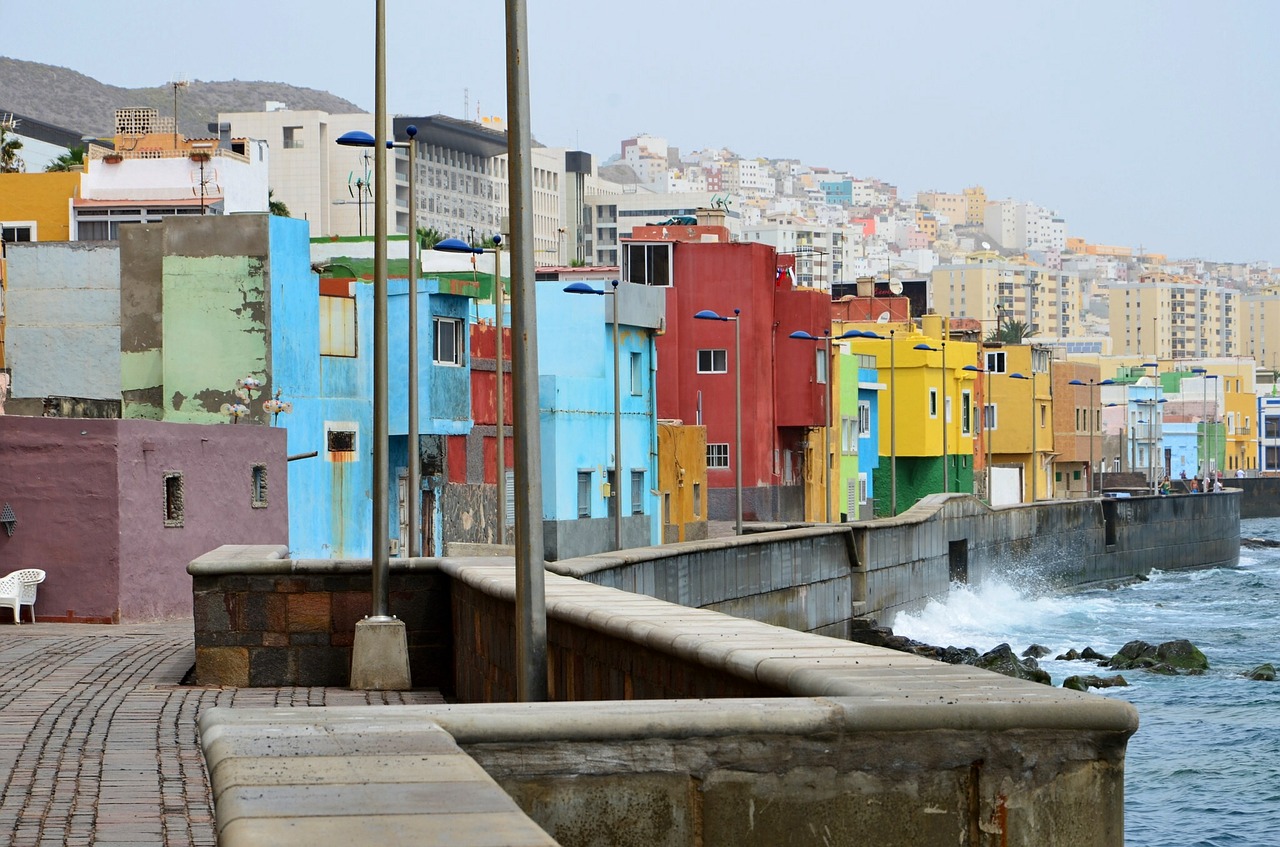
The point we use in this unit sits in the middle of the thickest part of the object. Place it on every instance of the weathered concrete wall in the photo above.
(1261, 496)
(63, 319)
(800, 579)
(265, 620)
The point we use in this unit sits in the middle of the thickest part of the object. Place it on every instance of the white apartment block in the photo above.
(330, 186)
(1024, 226)
(612, 214)
(822, 252)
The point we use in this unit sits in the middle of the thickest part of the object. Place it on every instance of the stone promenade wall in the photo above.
(264, 620)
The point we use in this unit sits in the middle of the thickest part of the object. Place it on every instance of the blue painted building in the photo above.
(576, 399)
(838, 192)
(869, 388)
(1181, 444)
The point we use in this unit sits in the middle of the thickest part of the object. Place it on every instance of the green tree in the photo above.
(10, 161)
(429, 237)
(68, 160)
(1011, 332)
(276, 207)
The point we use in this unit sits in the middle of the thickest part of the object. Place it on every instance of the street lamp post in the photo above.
(1032, 379)
(359, 138)
(1092, 423)
(946, 479)
(457, 245)
(986, 430)
(708, 315)
(380, 656)
(825, 340)
(616, 493)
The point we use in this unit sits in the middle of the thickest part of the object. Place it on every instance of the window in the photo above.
(340, 441)
(933, 402)
(584, 494)
(848, 436)
(337, 326)
(258, 487)
(995, 362)
(174, 507)
(292, 137)
(713, 361)
(990, 422)
(864, 417)
(448, 341)
(637, 375)
(697, 500)
(966, 413)
(637, 492)
(14, 233)
(648, 264)
(820, 367)
(717, 455)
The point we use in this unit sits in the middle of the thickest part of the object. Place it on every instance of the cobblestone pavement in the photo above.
(98, 735)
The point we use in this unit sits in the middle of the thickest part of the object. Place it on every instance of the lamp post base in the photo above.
(380, 656)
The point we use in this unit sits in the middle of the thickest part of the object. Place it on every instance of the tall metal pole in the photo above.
(1034, 473)
(826, 433)
(737, 407)
(381, 530)
(531, 610)
(986, 421)
(893, 425)
(414, 481)
(499, 308)
(1092, 430)
(617, 428)
(946, 397)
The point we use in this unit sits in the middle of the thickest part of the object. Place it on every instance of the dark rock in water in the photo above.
(1263, 673)
(1257, 543)
(1035, 651)
(1092, 654)
(1175, 656)
(1069, 656)
(959, 655)
(875, 636)
(1084, 683)
(927, 651)
(1001, 659)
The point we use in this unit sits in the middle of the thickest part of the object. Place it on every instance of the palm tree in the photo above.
(10, 161)
(72, 158)
(428, 238)
(276, 207)
(1011, 332)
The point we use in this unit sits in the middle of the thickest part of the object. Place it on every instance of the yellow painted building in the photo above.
(1021, 414)
(975, 199)
(923, 406)
(989, 287)
(682, 481)
(1175, 317)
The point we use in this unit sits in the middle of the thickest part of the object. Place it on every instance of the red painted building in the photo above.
(781, 395)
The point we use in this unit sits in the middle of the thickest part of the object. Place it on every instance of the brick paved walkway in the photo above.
(98, 737)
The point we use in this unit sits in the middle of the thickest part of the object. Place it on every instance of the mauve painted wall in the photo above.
(216, 462)
(89, 498)
(59, 477)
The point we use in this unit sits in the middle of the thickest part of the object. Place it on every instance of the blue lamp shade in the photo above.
(708, 315)
(923, 346)
(1017, 375)
(869, 334)
(857, 333)
(1076, 382)
(973, 368)
(1107, 382)
(456, 245)
(803, 336)
(580, 288)
(356, 138)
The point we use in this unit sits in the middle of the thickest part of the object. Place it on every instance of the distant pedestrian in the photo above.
(1164, 487)
(1239, 473)
(1217, 482)
(1183, 473)
(1195, 486)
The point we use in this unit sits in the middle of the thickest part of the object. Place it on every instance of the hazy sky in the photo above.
(1143, 122)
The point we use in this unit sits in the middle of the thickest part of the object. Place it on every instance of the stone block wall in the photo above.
(279, 622)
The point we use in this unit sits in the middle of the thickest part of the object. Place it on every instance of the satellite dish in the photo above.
(986, 246)
(895, 285)
(883, 319)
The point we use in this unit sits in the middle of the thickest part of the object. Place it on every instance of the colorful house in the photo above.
(748, 286)
(1021, 428)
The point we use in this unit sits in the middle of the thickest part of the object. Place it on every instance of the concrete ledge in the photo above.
(249, 560)
(282, 778)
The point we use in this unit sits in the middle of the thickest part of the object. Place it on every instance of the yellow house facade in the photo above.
(1020, 414)
(682, 481)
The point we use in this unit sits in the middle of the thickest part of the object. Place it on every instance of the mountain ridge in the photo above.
(69, 99)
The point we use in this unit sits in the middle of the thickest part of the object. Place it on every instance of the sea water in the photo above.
(1204, 766)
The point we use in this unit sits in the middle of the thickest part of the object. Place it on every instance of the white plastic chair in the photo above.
(18, 589)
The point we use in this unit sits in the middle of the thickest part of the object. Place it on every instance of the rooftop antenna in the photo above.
(178, 81)
(466, 103)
